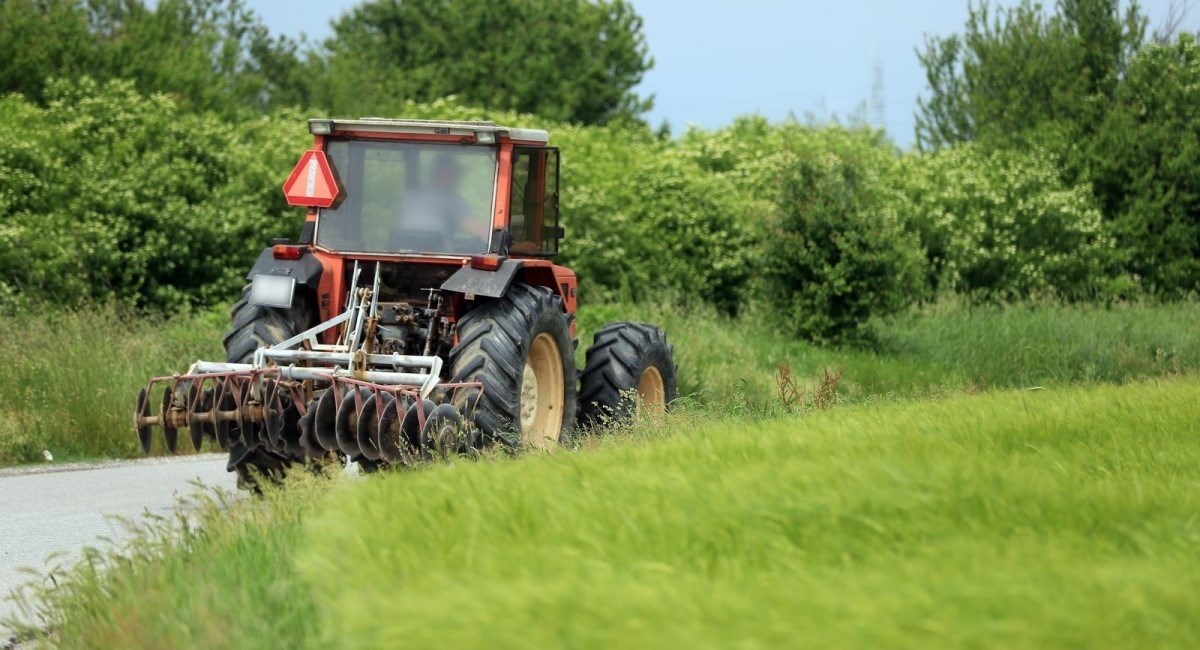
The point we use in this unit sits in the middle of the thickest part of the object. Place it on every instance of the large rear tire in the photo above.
(520, 348)
(252, 327)
(629, 366)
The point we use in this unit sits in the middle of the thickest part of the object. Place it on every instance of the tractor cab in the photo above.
(430, 204)
(414, 188)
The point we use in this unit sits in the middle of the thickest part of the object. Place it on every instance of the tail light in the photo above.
(286, 252)
(486, 262)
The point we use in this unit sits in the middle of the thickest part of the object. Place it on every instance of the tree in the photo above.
(1145, 166)
(1020, 69)
(207, 54)
(575, 60)
(43, 38)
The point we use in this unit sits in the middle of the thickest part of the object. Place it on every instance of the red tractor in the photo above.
(420, 312)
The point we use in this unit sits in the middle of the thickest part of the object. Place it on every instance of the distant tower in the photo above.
(877, 100)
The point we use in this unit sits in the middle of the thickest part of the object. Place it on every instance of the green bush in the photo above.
(1002, 225)
(643, 219)
(109, 194)
(838, 252)
(1145, 165)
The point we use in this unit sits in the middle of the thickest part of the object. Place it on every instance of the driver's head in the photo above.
(446, 172)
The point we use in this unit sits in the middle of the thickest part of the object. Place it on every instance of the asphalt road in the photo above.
(62, 509)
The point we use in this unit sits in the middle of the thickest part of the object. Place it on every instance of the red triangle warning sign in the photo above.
(311, 183)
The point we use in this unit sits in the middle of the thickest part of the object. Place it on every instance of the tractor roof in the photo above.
(450, 127)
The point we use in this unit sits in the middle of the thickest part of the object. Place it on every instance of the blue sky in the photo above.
(716, 59)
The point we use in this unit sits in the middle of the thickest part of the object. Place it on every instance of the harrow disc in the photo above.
(410, 429)
(346, 426)
(325, 419)
(308, 437)
(368, 424)
(290, 434)
(170, 433)
(253, 434)
(440, 433)
(143, 411)
(223, 400)
(394, 446)
(198, 402)
(274, 410)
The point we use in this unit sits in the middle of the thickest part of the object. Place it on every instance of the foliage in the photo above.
(645, 221)
(1002, 225)
(41, 39)
(577, 61)
(1019, 68)
(1081, 85)
(73, 374)
(1145, 165)
(206, 54)
(111, 194)
(838, 251)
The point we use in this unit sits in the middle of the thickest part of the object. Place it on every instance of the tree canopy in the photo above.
(572, 61)
(567, 60)
(207, 54)
(1022, 67)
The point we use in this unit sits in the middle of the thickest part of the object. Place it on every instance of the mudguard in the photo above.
(306, 270)
(489, 284)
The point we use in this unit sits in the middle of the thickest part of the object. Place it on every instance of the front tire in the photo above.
(520, 348)
(629, 366)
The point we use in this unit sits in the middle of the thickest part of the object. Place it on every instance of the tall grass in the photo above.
(70, 378)
(1008, 520)
(1054, 518)
(1045, 342)
(927, 351)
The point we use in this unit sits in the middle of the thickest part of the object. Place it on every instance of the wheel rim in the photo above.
(651, 393)
(542, 393)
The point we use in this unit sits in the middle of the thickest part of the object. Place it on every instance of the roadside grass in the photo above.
(928, 351)
(70, 378)
(181, 580)
(1065, 517)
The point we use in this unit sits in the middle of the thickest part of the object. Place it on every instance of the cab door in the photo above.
(533, 202)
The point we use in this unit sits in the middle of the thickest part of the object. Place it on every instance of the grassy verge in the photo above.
(203, 580)
(930, 351)
(1062, 517)
(70, 378)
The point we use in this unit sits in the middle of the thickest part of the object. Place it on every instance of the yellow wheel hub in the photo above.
(651, 393)
(542, 394)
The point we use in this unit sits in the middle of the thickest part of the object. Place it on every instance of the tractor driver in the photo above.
(439, 209)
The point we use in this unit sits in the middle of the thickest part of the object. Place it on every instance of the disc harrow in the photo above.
(305, 400)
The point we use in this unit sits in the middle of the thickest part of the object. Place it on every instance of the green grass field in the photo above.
(70, 379)
(1060, 517)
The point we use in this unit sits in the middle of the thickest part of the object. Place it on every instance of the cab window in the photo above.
(533, 204)
(409, 197)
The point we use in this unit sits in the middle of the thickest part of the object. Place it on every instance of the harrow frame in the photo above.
(267, 402)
